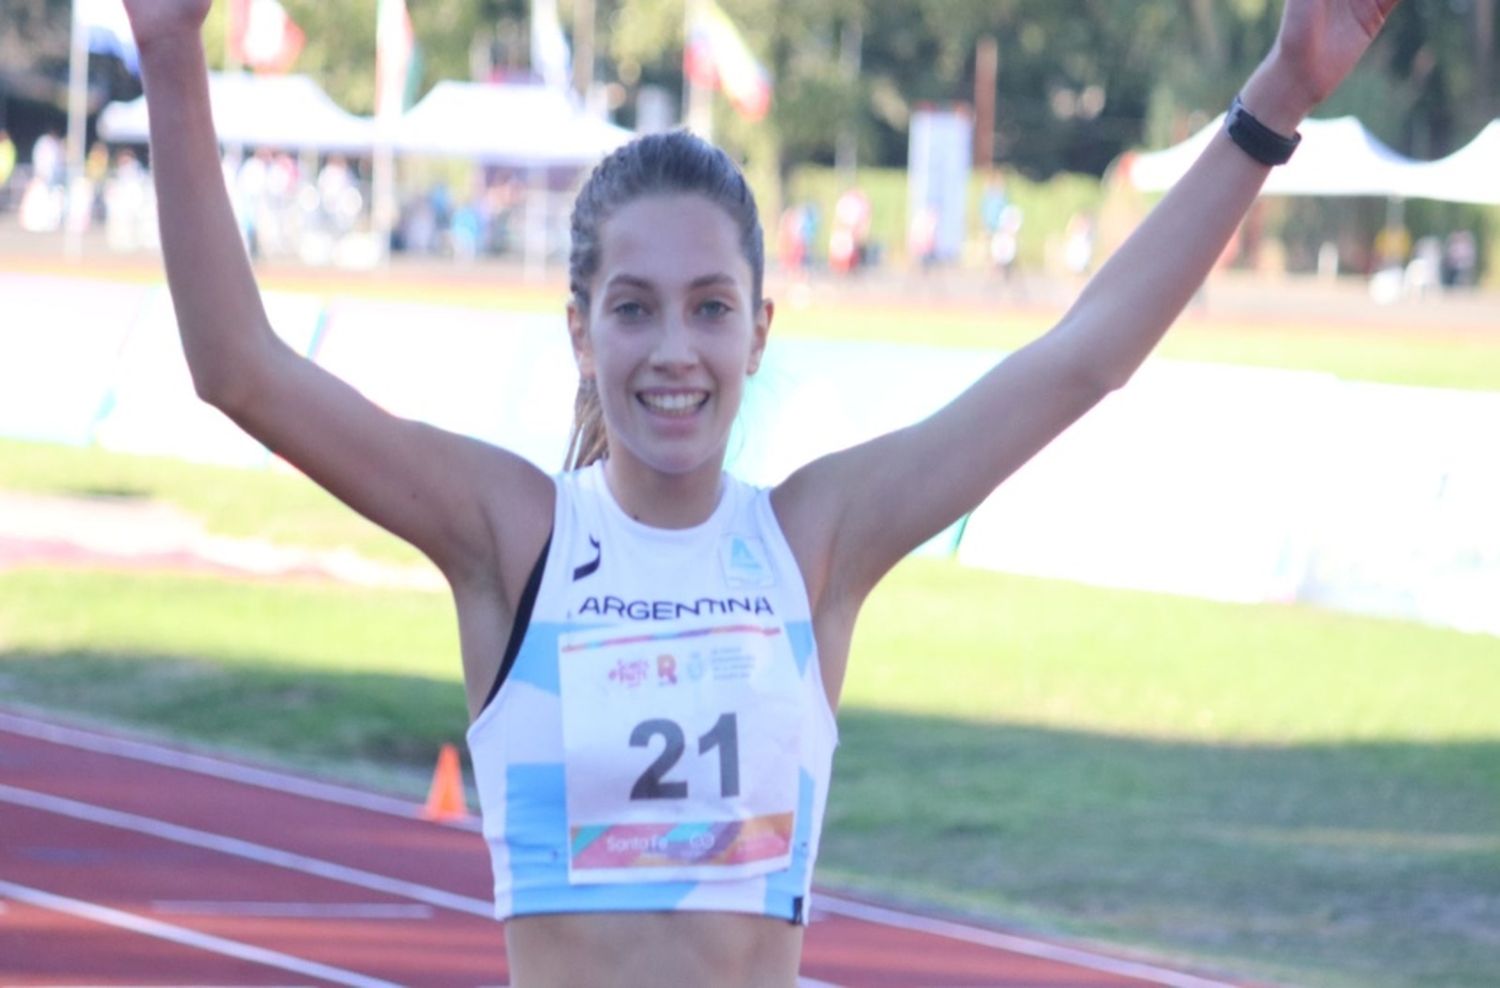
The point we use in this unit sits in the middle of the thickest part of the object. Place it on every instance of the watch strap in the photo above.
(1256, 139)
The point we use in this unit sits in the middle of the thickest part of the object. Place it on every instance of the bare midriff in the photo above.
(652, 949)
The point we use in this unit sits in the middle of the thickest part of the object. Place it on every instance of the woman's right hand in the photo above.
(153, 20)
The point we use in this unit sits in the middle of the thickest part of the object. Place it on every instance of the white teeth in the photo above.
(676, 404)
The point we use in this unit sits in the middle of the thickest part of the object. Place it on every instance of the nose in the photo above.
(674, 348)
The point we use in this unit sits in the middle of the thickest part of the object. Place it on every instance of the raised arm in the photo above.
(863, 509)
(456, 499)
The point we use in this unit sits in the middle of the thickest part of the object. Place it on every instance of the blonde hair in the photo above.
(589, 441)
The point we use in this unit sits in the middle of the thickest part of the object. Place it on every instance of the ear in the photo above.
(761, 331)
(578, 335)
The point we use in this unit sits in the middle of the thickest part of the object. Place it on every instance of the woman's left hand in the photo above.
(1321, 41)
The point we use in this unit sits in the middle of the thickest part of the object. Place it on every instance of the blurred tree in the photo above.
(1077, 82)
(1441, 75)
(1074, 79)
(456, 37)
(34, 50)
(813, 101)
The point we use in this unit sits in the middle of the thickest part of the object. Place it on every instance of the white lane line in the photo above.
(1019, 945)
(188, 938)
(294, 910)
(142, 751)
(245, 849)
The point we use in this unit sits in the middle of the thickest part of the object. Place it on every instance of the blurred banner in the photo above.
(939, 156)
(54, 382)
(550, 59)
(263, 37)
(396, 59)
(716, 56)
(1238, 484)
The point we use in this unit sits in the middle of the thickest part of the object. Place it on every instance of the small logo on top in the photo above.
(588, 568)
(745, 562)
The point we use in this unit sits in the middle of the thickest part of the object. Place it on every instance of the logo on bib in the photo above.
(745, 562)
(630, 674)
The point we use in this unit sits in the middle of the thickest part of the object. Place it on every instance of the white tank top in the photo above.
(662, 739)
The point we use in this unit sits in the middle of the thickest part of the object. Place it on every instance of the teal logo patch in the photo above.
(745, 562)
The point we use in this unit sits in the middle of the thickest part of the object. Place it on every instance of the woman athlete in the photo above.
(652, 650)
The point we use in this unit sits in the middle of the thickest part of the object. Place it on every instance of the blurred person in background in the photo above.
(849, 238)
(1460, 264)
(7, 167)
(47, 159)
(1002, 225)
(127, 204)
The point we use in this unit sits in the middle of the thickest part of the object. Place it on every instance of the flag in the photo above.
(549, 48)
(397, 61)
(717, 56)
(263, 36)
(108, 30)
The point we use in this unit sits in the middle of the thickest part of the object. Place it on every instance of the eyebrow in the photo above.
(702, 281)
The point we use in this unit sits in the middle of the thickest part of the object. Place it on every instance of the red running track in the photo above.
(128, 863)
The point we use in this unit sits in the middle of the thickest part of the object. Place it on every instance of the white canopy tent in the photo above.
(516, 125)
(290, 112)
(1470, 174)
(521, 126)
(536, 130)
(1338, 157)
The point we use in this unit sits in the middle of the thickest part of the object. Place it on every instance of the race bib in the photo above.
(681, 750)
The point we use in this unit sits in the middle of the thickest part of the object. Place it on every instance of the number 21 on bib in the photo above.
(681, 749)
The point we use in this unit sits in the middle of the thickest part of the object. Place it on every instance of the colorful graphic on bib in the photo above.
(731, 629)
(674, 845)
(630, 674)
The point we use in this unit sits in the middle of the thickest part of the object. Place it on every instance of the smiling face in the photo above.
(671, 331)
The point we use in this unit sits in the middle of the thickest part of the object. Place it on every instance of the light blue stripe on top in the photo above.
(536, 828)
(536, 662)
(783, 888)
(800, 635)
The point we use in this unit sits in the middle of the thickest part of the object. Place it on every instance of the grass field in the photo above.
(1302, 796)
(241, 503)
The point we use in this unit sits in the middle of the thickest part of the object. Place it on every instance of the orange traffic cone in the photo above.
(445, 800)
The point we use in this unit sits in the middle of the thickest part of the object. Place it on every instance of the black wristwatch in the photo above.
(1256, 139)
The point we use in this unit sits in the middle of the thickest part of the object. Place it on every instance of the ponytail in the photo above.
(589, 442)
